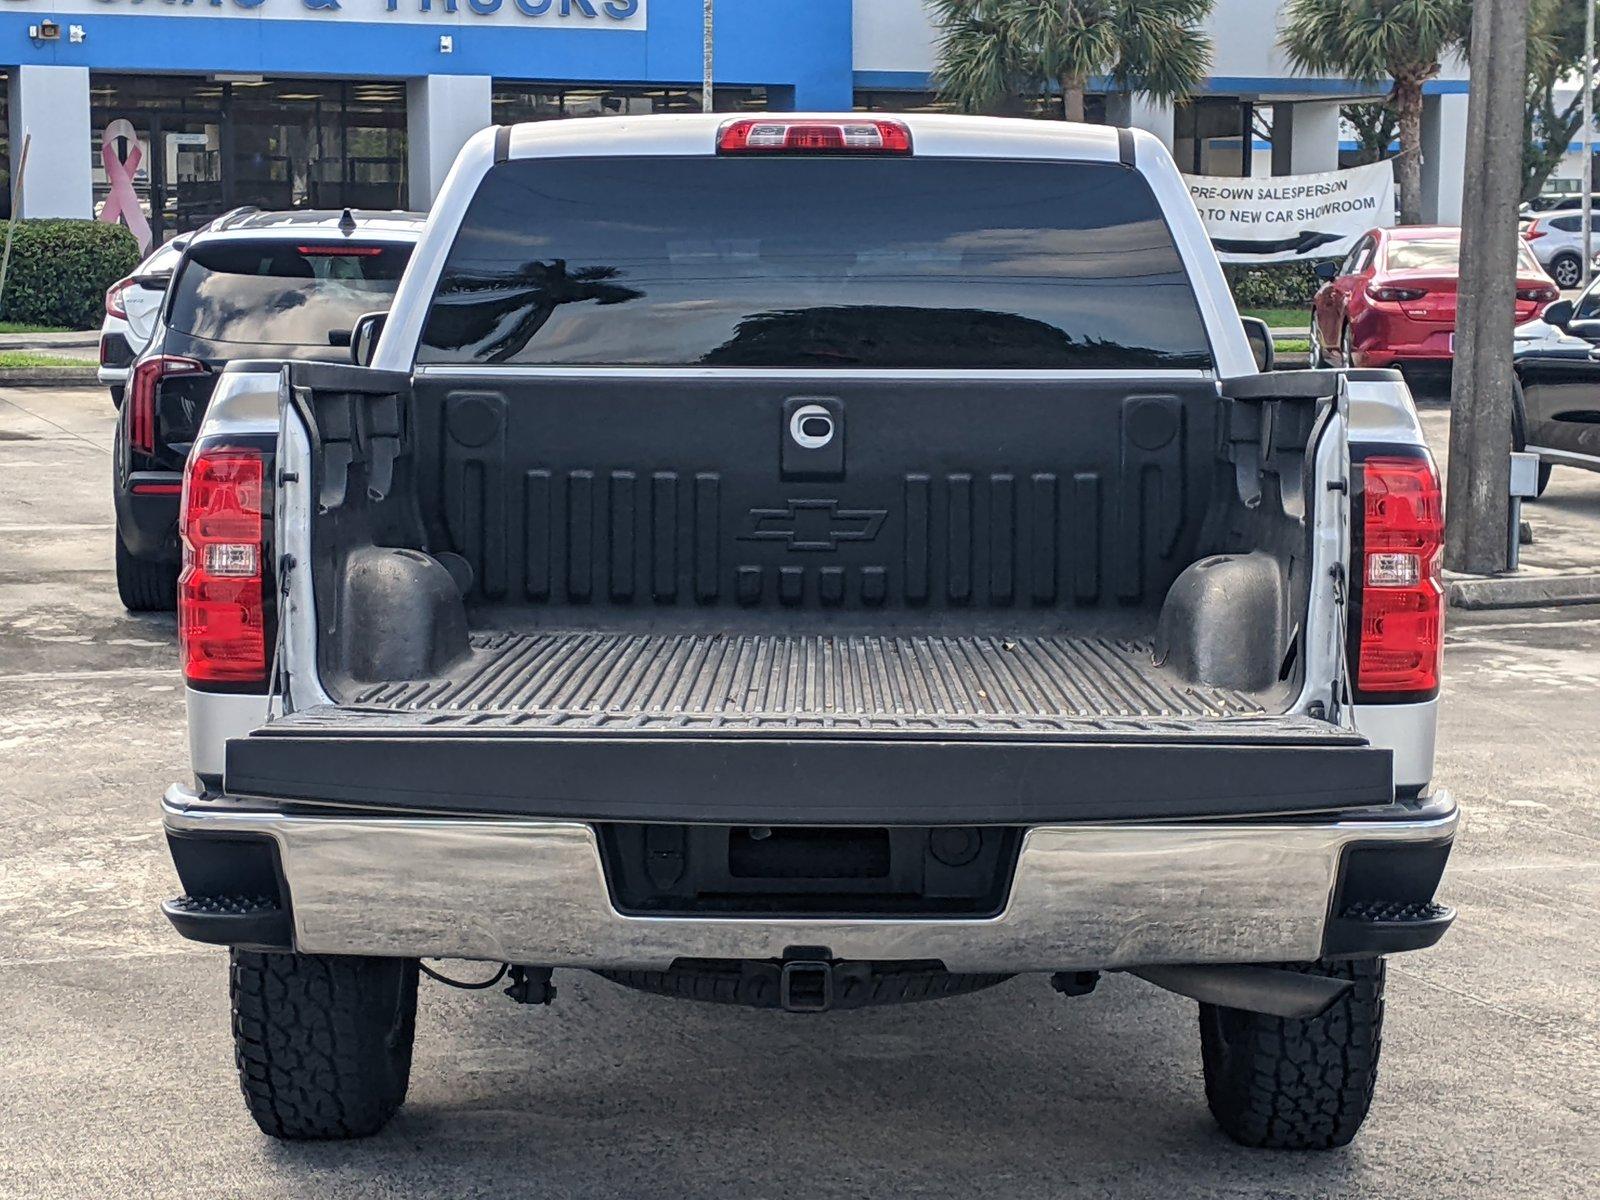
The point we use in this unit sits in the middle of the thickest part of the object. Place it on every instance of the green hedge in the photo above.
(1285, 285)
(60, 270)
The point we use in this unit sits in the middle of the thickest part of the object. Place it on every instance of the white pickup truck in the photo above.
(811, 561)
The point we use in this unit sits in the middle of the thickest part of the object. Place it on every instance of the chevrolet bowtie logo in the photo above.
(813, 524)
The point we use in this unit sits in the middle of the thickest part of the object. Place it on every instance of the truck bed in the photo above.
(644, 600)
(726, 682)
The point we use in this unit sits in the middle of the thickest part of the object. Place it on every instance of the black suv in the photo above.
(279, 285)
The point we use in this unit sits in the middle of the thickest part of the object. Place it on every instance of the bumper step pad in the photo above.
(230, 920)
(1388, 927)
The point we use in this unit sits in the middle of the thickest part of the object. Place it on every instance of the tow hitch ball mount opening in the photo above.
(806, 987)
(807, 980)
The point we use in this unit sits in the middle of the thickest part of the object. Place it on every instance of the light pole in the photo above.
(706, 57)
(1479, 499)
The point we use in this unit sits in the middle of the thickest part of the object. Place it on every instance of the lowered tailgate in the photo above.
(842, 730)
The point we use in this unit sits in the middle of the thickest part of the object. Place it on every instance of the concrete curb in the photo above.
(1522, 591)
(48, 376)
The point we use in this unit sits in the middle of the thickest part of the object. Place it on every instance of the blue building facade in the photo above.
(215, 103)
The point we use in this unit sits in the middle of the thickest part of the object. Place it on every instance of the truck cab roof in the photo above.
(931, 134)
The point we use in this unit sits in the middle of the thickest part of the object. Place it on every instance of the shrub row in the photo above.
(60, 270)
(1283, 285)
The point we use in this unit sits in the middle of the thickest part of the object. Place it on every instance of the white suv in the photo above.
(1556, 239)
(131, 307)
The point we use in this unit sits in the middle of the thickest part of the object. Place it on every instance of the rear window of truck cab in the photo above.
(814, 262)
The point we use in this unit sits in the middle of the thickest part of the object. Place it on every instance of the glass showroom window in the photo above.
(514, 102)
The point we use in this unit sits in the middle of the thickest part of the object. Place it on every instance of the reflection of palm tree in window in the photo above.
(516, 304)
(882, 335)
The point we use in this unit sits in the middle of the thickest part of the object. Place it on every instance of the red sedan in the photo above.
(1393, 299)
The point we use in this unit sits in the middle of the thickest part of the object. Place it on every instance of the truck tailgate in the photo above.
(832, 729)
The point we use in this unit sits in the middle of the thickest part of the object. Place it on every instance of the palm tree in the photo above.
(1369, 39)
(1375, 129)
(1554, 110)
(992, 53)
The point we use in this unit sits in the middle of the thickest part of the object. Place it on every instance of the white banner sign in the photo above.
(1290, 218)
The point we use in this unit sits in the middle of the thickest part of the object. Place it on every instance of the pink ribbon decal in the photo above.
(123, 202)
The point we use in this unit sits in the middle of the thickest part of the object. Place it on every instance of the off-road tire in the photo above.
(1281, 1084)
(322, 1043)
(145, 586)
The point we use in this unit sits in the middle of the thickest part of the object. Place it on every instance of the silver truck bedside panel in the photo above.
(214, 717)
(1383, 411)
(245, 402)
(297, 606)
(1407, 729)
(1084, 897)
(1330, 546)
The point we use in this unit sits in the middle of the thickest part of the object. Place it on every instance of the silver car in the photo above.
(1556, 239)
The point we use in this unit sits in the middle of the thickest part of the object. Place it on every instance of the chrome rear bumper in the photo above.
(1084, 897)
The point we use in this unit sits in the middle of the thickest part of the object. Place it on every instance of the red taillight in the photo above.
(114, 295)
(774, 135)
(1543, 293)
(221, 597)
(1402, 599)
(143, 386)
(1388, 292)
(1533, 231)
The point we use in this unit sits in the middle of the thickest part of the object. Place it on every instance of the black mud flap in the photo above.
(356, 759)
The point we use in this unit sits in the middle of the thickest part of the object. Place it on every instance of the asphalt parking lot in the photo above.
(116, 1073)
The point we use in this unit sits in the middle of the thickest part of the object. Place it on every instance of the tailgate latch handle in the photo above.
(812, 438)
(811, 426)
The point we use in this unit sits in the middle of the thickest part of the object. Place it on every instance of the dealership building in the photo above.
(198, 106)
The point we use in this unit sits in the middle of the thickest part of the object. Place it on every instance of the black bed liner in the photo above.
(745, 681)
(818, 730)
